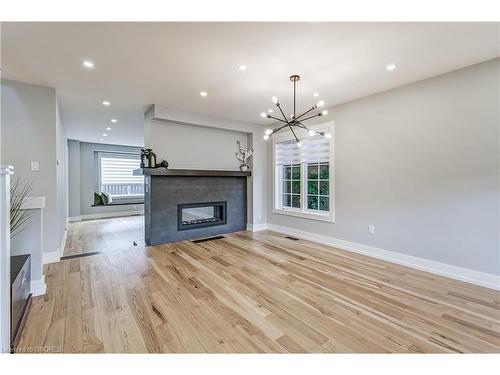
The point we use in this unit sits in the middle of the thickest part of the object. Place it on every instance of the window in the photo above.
(291, 185)
(303, 176)
(115, 175)
(318, 186)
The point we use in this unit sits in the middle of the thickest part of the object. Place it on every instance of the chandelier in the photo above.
(295, 122)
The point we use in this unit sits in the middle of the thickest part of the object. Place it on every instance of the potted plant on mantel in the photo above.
(243, 156)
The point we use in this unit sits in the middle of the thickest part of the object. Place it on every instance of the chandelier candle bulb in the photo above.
(275, 100)
(266, 137)
(311, 132)
(324, 113)
(268, 131)
(328, 135)
(320, 104)
(263, 115)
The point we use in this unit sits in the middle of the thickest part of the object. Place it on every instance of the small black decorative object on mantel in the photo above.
(147, 157)
(163, 164)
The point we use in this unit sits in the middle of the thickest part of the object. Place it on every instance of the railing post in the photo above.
(5, 173)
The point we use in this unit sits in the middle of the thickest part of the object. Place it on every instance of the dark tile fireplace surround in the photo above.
(181, 204)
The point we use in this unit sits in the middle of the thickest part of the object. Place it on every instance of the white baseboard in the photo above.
(38, 287)
(256, 227)
(63, 242)
(55, 256)
(474, 277)
(104, 215)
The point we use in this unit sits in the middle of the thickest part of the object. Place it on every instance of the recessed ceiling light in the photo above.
(242, 67)
(108, 128)
(316, 94)
(390, 67)
(114, 120)
(104, 135)
(102, 140)
(270, 110)
(203, 93)
(106, 103)
(88, 64)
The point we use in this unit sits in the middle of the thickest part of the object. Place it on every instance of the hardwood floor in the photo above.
(104, 234)
(256, 292)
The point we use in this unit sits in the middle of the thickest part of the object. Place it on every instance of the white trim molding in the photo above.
(32, 203)
(256, 227)
(104, 215)
(463, 274)
(38, 287)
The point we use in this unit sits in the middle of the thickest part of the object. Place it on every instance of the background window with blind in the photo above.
(115, 175)
(304, 175)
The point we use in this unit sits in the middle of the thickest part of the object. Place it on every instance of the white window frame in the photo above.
(303, 212)
(139, 198)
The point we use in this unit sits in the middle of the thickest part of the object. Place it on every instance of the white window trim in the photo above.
(137, 198)
(303, 212)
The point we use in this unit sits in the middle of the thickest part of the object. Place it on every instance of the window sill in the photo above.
(329, 217)
(115, 203)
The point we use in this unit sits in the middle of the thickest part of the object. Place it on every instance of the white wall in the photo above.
(195, 147)
(205, 142)
(421, 163)
(32, 131)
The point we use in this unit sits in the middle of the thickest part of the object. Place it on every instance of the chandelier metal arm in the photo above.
(277, 119)
(296, 139)
(305, 113)
(279, 107)
(301, 125)
(310, 117)
(278, 129)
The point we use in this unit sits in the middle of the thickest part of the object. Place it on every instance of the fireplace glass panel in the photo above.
(197, 215)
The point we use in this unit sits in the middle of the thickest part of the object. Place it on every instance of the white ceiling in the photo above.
(138, 64)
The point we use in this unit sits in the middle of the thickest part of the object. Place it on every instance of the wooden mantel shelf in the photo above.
(189, 172)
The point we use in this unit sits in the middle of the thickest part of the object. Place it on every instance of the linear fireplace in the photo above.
(199, 215)
(188, 204)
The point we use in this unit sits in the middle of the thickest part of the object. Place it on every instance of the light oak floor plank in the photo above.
(251, 293)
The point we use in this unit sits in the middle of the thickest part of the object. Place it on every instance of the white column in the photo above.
(5, 172)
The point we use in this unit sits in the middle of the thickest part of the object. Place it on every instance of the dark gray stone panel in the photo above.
(164, 194)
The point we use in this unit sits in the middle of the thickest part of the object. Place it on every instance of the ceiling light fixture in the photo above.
(108, 128)
(203, 93)
(88, 64)
(270, 111)
(104, 135)
(390, 67)
(242, 67)
(106, 103)
(113, 120)
(295, 121)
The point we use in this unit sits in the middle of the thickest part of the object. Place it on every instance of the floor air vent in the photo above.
(292, 238)
(208, 239)
(80, 255)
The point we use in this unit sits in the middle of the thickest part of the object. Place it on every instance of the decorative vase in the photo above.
(243, 168)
